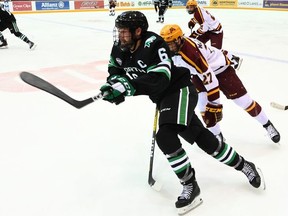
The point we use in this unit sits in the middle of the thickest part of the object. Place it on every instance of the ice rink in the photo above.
(56, 160)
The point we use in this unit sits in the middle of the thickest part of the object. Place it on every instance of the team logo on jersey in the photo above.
(149, 41)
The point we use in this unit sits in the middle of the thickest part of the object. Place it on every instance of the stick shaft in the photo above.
(151, 180)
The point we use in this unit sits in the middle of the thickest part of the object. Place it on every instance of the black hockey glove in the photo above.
(213, 114)
(116, 89)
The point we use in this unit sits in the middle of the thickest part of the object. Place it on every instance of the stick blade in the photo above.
(156, 185)
(39, 83)
(278, 106)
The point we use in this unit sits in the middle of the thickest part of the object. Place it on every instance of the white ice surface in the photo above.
(56, 160)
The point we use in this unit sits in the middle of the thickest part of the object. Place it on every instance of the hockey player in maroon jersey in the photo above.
(212, 72)
(8, 21)
(140, 64)
(112, 6)
(210, 29)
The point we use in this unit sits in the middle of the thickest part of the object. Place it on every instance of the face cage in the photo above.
(190, 11)
(117, 42)
(175, 44)
(115, 36)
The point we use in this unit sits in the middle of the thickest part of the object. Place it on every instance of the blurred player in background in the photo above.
(8, 21)
(161, 7)
(112, 6)
(210, 29)
(211, 71)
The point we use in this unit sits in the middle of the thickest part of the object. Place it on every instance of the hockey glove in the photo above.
(170, 4)
(194, 35)
(191, 25)
(116, 89)
(213, 114)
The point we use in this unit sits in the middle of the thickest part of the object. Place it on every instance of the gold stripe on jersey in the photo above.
(218, 27)
(213, 91)
(227, 60)
(200, 15)
(199, 31)
(188, 51)
(194, 21)
(252, 106)
(213, 94)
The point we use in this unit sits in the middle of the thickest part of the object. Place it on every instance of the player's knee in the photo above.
(208, 142)
(167, 138)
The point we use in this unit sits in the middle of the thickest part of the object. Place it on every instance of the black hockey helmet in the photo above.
(132, 20)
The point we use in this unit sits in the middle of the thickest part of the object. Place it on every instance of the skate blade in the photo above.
(239, 64)
(157, 186)
(196, 202)
(263, 184)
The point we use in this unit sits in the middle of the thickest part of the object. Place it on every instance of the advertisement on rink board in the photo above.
(82, 5)
(47, 5)
(275, 4)
(223, 3)
(250, 3)
(22, 6)
(52, 5)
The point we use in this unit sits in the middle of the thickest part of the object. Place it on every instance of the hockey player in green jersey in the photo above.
(8, 21)
(140, 64)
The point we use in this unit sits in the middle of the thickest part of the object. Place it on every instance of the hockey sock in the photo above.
(229, 156)
(180, 164)
(23, 37)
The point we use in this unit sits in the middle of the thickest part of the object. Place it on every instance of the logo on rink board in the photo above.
(53, 5)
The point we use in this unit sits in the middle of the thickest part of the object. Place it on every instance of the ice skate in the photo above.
(272, 132)
(254, 175)
(189, 198)
(4, 44)
(237, 61)
(32, 45)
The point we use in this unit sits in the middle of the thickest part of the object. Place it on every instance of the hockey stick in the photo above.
(278, 106)
(37, 82)
(151, 181)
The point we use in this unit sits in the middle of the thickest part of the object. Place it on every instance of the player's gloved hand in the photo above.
(212, 114)
(116, 89)
(191, 24)
(194, 35)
